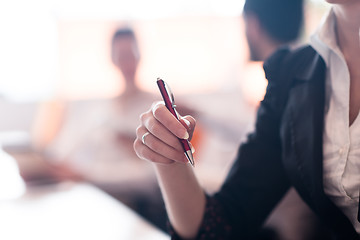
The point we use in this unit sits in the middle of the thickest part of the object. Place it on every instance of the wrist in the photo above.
(169, 167)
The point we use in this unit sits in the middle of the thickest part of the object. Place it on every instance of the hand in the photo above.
(161, 143)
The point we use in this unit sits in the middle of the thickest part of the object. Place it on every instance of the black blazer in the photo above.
(285, 150)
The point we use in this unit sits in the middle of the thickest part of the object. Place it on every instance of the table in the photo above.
(72, 211)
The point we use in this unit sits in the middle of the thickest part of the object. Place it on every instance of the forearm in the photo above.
(184, 198)
(158, 142)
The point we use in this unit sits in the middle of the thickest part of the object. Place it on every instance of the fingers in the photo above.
(158, 130)
(152, 149)
(162, 130)
(162, 114)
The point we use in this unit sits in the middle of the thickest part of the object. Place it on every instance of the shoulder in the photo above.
(285, 54)
(284, 68)
(289, 61)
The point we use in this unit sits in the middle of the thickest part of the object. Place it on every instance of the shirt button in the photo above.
(341, 150)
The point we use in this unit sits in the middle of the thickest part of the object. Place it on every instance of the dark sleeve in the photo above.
(257, 180)
(215, 225)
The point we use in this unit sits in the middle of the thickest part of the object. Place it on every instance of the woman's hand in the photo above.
(157, 141)
(157, 136)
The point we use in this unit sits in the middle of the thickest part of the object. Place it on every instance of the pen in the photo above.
(170, 105)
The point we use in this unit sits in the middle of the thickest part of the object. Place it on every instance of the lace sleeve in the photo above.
(214, 226)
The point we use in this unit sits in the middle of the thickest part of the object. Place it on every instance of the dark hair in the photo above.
(123, 32)
(282, 19)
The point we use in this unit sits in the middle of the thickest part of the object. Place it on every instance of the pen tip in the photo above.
(190, 157)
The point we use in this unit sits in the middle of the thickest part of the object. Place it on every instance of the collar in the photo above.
(324, 40)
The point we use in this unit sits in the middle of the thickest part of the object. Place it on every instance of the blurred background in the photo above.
(55, 48)
(59, 83)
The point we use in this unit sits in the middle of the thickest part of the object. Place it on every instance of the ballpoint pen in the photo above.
(170, 105)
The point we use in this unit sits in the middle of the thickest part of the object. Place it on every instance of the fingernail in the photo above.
(183, 134)
(192, 148)
(186, 122)
(186, 136)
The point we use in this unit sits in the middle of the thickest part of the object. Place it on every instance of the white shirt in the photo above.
(96, 140)
(341, 143)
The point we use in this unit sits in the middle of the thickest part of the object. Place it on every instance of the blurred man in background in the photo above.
(96, 139)
(93, 138)
(268, 26)
(271, 24)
